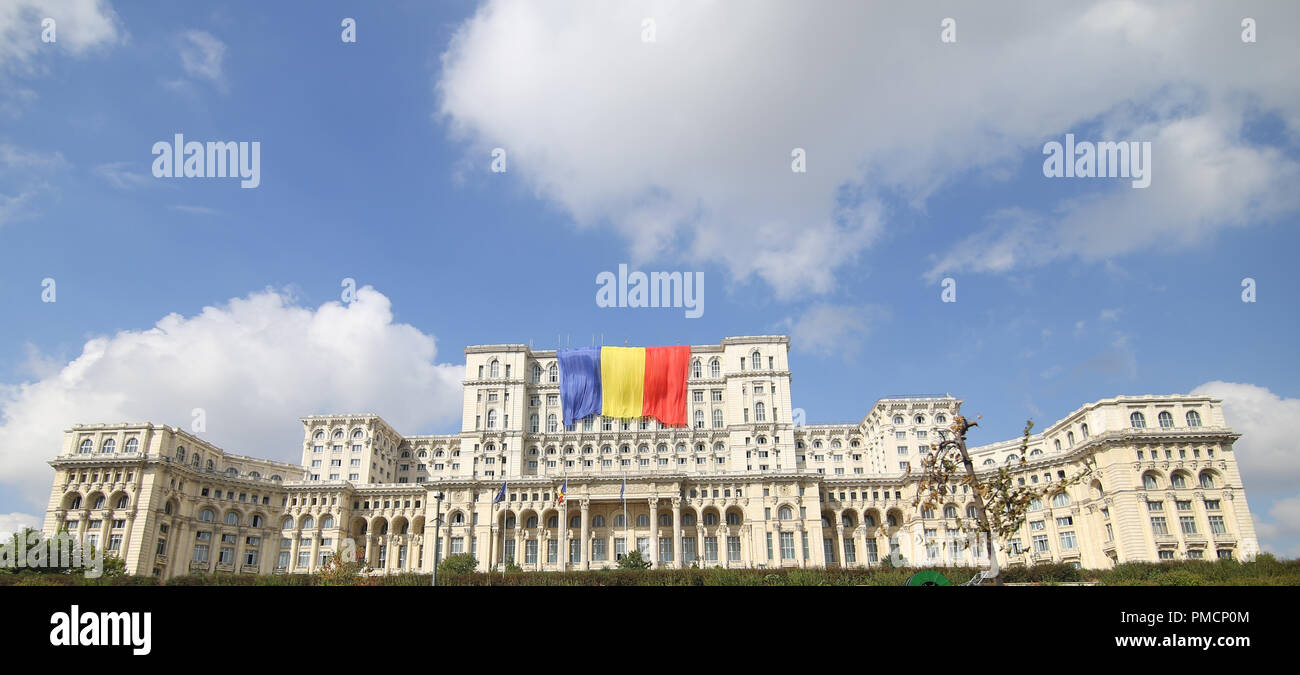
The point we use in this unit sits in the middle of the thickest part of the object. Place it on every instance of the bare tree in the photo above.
(1001, 499)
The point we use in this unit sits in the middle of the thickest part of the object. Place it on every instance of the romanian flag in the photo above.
(564, 489)
(625, 383)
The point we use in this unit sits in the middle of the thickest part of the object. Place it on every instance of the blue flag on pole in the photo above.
(501, 494)
(580, 393)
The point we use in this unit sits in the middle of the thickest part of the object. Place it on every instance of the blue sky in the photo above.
(374, 166)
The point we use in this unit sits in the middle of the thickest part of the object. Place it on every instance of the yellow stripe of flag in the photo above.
(622, 381)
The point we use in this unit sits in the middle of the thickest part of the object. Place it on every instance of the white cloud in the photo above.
(255, 365)
(1268, 455)
(828, 329)
(26, 172)
(80, 26)
(683, 145)
(203, 57)
(12, 523)
(123, 176)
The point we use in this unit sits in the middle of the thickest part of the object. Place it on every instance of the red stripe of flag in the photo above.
(664, 396)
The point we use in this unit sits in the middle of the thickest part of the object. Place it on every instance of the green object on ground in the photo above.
(928, 578)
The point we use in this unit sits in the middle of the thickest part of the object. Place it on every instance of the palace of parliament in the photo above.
(743, 484)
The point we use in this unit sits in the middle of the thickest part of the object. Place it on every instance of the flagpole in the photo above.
(624, 492)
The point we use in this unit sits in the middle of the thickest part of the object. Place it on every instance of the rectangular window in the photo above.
(769, 545)
(804, 539)
(598, 550)
(1217, 526)
(787, 546)
(1068, 542)
(508, 551)
(850, 551)
(666, 549)
(1040, 543)
(552, 551)
(828, 549)
(872, 555)
(620, 548)
(733, 549)
(711, 549)
(530, 552)
(1158, 525)
(1188, 524)
(200, 553)
(688, 550)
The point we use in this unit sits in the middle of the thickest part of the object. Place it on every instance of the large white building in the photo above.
(742, 486)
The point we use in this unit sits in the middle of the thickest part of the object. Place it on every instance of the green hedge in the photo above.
(1265, 570)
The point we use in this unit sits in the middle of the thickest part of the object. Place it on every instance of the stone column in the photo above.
(654, 530)
(584, 554)
(677, 532)
(839, 540)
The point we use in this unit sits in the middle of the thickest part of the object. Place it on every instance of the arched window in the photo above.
(575, 521)
(320, 435)
(1056, 445)
(1166, 419)
(1084, 429)
(308, 523)
(510, 522)
(492, 419)
(1011, 458)
(920, 419)
(1193, 418)
(1069, 438)
(180, 454)
(989, 461)
(531, 523)
(733, 518)
(971, 512)
(132, 445)
(1137, 420)
(618, 520)
(786, 513)
(99, 503)
(286, 524)
(891, 520)
(715, 368)
(327, 523)
(232, 518)
(207, 515)
(338, 433)
(551, 424)
(537, 374)
(756, 361)
(643, 520)
(1035, 504)
(898, 419)
(254, 474)
(927, 512)
(494, 369)
(598, 521)
(1207, 480)
(699, 418)
(666, 519)
(553, 521)
(232, 471)
(1150, 482)
(1178, 480)
(76, 502)
(553, 373)
(123, 502)
(210, 465)
(847, 520)
(760, 412)
(710, 518)
(196, 460)
(940, 419)
(697, 371)
(1060, 499)
(109, 445)
(868, 520)
(688, 519)
(357, 434)
(533, 423)
(1038, 451)
(950, 511)
(717, 418)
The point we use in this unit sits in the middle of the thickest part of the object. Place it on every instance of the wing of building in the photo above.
(745, 484)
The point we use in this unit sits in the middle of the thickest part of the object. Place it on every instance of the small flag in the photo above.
(501, 494)
(622, 488)
(559, 498)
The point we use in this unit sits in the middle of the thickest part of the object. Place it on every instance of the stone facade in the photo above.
(743, 485)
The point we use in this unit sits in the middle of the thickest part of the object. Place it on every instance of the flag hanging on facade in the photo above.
(564, 489)
(624, 383)
(501, 494)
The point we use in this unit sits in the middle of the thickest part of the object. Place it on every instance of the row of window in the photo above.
(109, 446)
